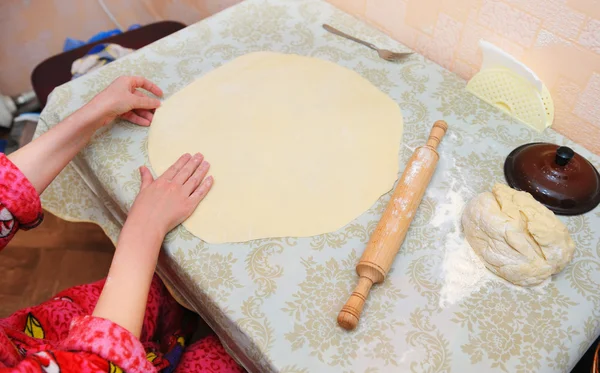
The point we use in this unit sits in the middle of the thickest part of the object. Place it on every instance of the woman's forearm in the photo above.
(160, 206)
(125, 293)
(45, 157)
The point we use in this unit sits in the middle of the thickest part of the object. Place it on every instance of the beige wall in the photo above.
(33, 30)
(558, 39)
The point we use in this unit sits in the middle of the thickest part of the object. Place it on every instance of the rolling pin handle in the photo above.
(437, 132)
(350, 313)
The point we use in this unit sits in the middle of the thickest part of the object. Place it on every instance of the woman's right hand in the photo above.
(123, 99)
(166, 202)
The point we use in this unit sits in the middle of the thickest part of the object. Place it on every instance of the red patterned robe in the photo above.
(61, 336)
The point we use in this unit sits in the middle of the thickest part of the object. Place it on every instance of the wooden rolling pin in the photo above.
(389, 234)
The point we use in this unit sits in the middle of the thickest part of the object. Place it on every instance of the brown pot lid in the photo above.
(556, 176)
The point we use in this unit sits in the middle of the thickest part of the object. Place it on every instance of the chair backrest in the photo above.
(56, 70)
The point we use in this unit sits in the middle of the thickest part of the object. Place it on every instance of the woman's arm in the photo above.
(45, 157)
(160, 206)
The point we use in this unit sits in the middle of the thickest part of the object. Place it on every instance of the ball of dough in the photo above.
(517, 237)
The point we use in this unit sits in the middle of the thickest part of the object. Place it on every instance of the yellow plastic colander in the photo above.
(515, 95)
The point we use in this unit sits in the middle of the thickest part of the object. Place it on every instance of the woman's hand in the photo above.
(166, 202)
(160, 206)
(45, 157)
(122, 99)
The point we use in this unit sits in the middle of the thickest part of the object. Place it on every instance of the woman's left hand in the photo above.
(122, 99)
(160, 206)
(166, 202)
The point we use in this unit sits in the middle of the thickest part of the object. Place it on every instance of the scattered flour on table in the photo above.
(462, 271)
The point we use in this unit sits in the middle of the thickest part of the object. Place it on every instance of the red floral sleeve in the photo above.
(20, 206)
(93, 345)
(108, 341)
(59, 335)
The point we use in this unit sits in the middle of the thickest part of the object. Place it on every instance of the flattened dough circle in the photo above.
(298, 146)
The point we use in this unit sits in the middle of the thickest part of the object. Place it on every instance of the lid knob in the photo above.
(563, 155)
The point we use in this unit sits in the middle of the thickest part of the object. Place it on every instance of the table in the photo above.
(56, 70)
(274, 302)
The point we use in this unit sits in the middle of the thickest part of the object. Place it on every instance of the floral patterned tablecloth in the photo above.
(274, 302)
